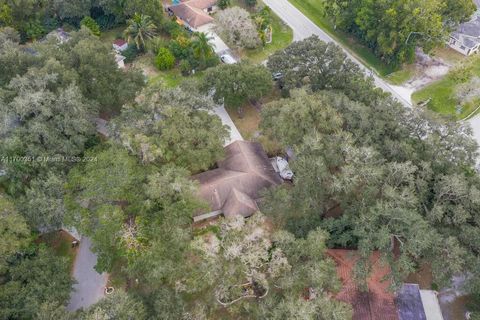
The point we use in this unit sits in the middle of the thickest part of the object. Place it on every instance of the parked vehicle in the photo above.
(228, 59)
(277, 76)
(283, 168)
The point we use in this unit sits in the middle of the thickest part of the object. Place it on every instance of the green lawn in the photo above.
(282, 36)
(401, 76)
(442, 94)
(313, 10)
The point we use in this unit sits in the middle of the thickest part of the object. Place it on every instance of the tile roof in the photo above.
(119, 42)
(378, 302)
(235, 185)
(192, 12)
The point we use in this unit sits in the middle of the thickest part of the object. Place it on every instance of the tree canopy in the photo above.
(236, 84)
(375, 175)
(392, 29)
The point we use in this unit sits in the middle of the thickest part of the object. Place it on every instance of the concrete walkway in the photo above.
(303, 28)
(226, 120)
(90, 284)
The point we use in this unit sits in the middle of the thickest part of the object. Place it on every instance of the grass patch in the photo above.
(448, 55)
(282, 36)
(247, 122)
(314, 11)
(442, 93)
(108, 36)
(401, 76)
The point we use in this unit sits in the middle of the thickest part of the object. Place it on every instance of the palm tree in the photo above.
(202, 48)
(140, 29)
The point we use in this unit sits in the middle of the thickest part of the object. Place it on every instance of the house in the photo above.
(378, 302)
(120, 45)
(235, 186)
(193, 13)
(466, 39)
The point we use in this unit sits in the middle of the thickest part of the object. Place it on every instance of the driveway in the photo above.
(218, 44)
(90, 284)
(226, 120)
(303, 28)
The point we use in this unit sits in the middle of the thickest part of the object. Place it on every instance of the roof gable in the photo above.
(237, 182)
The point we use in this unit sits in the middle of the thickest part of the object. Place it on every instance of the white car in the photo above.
(284, 168)
(228, 59)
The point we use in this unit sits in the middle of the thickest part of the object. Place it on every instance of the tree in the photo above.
(42, 205)
(290, 120)
(33, 279)
(202, 49)
(251, 3)
(100, 195)
(91, 24)
(393, 29)
(235, 84)
(119, 305)
(237, 28)
(378, 183)
(223, 4)
(140, 29)
(14, 232)
(252, 272)
(53, 124)
(65, 9)
(171, 128)
(164, 59)
(322, 66)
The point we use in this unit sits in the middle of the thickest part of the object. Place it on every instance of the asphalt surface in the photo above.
(303, 28)
(90, 284)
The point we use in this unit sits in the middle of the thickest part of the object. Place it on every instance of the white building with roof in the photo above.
(466, 39)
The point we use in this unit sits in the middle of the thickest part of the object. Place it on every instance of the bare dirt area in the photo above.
(427, 70)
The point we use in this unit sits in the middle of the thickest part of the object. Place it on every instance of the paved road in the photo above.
(90, 284)
(303, 28)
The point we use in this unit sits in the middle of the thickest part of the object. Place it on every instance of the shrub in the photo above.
(173, 28)
(461, 74)
(223, 4)
(165, 59)
(91, 24)
(34, 30)
(185, 67)
(181, 47)
(131, 53)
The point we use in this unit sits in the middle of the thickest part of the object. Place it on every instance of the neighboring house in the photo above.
(378, 302)
(193, 13)
(60, 35)
(466, 39)
(235, 186)
(120, 45)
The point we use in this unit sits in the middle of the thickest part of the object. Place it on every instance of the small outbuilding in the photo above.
(120, 45)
